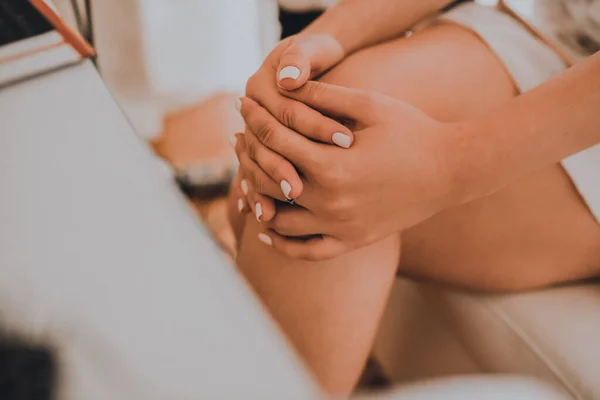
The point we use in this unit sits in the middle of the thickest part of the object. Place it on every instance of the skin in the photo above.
(352, 198)
(330, 309)
(320, 47)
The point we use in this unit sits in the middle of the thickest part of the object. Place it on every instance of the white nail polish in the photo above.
(259, 211)
(266, 239)
(233, 140)
(240, 205)
(341, 139)
(244, 186)
(237, 103)
(286, 188)
(289, 72)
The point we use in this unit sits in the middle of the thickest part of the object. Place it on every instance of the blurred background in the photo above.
(176, 68)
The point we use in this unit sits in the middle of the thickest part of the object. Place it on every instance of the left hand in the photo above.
(397, 173)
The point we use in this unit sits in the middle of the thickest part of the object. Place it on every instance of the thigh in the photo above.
(535, 232)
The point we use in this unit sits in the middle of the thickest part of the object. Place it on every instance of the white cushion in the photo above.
(552, 334)
(475, 388)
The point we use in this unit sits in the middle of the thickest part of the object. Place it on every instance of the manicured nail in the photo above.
(266, 239)
(341, 139)
(290, 72)
(233, 140)
(259, 211)
(244, 186)
(238, 104)
(286, 188)
(240, 205)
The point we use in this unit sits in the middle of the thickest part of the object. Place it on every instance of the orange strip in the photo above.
(71, 37)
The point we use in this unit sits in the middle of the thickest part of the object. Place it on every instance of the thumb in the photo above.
(294, 67)
(337, 101)
(307, 56)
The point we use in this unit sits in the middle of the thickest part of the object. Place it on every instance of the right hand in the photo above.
(402, 169)
(290, 65)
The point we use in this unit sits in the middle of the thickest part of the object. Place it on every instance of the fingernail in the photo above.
(286, 188)
(233, 140)
(290, 72)
(244, 186)
(238, 104)
(259, 211)
(341, 139)
(240, 205)
(266, 239)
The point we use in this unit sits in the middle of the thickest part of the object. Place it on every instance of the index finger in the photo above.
(338, 101)
(299, 150)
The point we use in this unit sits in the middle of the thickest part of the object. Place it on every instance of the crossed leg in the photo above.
(534, 233)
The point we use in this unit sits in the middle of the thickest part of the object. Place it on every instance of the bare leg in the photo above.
(330, 310)
(535, 232)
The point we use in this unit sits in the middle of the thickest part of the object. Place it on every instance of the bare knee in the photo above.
(409, 69)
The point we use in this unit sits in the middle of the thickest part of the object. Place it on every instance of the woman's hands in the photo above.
(398, 172)
(292, 63)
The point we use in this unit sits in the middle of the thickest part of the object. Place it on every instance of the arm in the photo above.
(443, 164)
(378, 20)
(540, 127)
(306, 56)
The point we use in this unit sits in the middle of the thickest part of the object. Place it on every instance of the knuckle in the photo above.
(310, 253)
(288, 115)
(266, 132)
(365, 100)
(332, 174)
(278, 224)
(316, 91)
(294, 45)
(260, 183)
(251, 146)
(345, 214)
(311, 256)
(339, 208)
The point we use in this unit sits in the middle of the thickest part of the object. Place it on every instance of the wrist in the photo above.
(336, 29)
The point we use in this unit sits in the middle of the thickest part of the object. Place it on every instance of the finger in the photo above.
(299, 150)
(316, 248)
(338, 101)
(294, 67)
(304, 59)
(295, 221)
(262, 206)
(238, 196)
(312, 124)
(277, 167)
(253, 173)
(237, 207)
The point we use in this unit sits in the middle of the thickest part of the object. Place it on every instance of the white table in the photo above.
(101, 257)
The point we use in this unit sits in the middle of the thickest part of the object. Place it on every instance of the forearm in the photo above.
(538, 128)
(360, 23)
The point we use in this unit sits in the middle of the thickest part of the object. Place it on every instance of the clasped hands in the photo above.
(358, 166)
